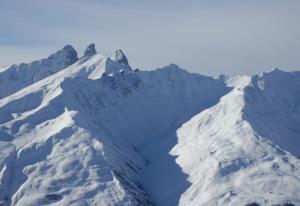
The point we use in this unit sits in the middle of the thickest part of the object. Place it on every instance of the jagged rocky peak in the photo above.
(120, 57)
(69, 49)
(66, 56)
(90, 51)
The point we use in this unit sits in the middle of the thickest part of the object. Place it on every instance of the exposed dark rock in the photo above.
(90, 50)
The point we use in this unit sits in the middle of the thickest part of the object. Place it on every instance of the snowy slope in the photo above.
(17, 77)
(99, 133)
(274, 97)
(42, 130)
(232, 152)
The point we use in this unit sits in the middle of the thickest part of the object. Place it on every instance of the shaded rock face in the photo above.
(53, 197)
(120, 57)
(57, 61)
(69, 53)
(90, 51)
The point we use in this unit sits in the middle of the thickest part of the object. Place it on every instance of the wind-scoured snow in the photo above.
(229, 161)
(96, 132)
(17, 77)
(273, 108)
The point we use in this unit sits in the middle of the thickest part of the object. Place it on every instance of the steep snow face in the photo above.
(53, 159)
(99, 133)
(273, 108)
(16, 77)
(229, 159)
(144, 108)
(99, 117)
(139, 99)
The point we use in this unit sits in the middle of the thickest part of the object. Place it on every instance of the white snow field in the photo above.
(93, 131)
(16, 77)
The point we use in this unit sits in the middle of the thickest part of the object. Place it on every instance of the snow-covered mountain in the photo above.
(92, 131)
(16, 77)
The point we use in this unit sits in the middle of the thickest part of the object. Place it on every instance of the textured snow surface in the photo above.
(231, 163)
(92, 131)
(16, 77)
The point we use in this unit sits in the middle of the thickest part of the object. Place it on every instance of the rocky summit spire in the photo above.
(120, 57)
(90, 50)
(64, 57)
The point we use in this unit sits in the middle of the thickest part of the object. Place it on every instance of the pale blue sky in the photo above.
(205, 36)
